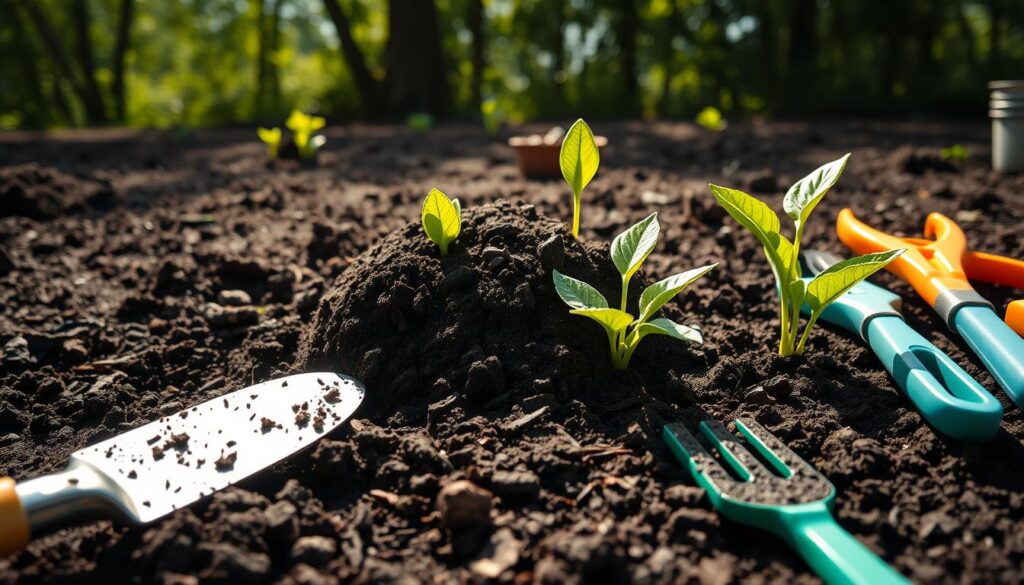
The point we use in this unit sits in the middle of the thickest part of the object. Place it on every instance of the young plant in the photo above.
(272, 138)
(629, 250)
(442, 219)
(954, 153)
(303, 126)
(420, 121)
(579, 160)
(711, 119)
(783, 255)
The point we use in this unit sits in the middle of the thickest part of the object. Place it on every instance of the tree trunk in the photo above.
(57, 55)
(124, 32)
(627, 46)
(995, 11)
(366, 85)
(670, 26)
(273, 75)
(416, 76)
(802, 42)
(37, 112)
(261, 59)
(95, 111)
(475, 19)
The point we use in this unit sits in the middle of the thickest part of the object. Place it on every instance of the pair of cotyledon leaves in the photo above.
(442, 219)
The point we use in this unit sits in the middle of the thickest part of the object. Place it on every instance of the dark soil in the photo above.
(142, 274)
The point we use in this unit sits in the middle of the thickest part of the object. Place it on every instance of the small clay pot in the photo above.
(539, 160)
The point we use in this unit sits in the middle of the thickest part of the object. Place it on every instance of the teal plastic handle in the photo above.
(834, 554)
(947, 396)
(998, 347)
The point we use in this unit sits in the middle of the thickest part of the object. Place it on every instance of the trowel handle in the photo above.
(998, 347)
(14, 531)
(947, 396)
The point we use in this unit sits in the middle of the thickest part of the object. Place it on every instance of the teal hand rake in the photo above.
(792, 499)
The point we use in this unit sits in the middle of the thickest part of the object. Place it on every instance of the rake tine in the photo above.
(705, 470)
(781, 457)
(742, 462)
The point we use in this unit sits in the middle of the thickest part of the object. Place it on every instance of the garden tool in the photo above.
(791, 499)
(939, 271)
(175, 461)
(947, 396)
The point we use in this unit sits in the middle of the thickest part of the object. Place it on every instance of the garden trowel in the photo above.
(146, 473)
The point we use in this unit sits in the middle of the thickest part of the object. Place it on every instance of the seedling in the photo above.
(711, 119)
(629, 250)
(783, 255)
(579, 160)
(272, 138)
(442, 219)
(955, 153)
(420, 121)
(303, 126)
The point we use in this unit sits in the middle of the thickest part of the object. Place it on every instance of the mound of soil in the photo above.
(40, 192)
(483, 323)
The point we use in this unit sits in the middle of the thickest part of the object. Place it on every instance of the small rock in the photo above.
(485, 379)
(74, 351)
(515, 483)
(758, 396)
(230, 317)
(463, 504)
(655, 198)
(16, 353)
(234, 565)
(282, 522)
(234, 298)
(315, 551)
(552, 253)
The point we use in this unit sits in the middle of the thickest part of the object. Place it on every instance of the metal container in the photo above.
(1006, 109)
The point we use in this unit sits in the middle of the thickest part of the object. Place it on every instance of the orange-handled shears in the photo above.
(940, 268)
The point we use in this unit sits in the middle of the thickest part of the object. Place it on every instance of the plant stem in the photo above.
(576, 215)
(807, 332)
(625, 293)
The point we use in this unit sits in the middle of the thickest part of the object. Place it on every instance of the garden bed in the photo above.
(120, 270)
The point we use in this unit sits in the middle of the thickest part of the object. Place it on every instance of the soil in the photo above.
(143, 273)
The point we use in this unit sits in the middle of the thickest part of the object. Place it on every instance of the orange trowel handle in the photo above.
(931, 267)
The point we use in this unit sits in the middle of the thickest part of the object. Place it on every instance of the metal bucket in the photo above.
(1006, 109)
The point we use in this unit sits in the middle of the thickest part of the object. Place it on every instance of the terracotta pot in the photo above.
(538, 160)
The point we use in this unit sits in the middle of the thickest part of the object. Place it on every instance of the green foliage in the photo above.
(442, 219)
(625, 332)
(492, 115)
(272, 138)
(783, 255)
(420, 121)
(303, 127)
(711, 119)
(955, 153)
(578, 159)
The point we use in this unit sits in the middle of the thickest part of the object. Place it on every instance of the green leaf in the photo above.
(631, 247)
(458, 207)
(272, 138)
(761, 221)
(613, 320)
(668, 327)
(655, 296)
(579, 158)
(831, 283)
(441, 221)
(578, 294)
(711, 119)
(805, 194)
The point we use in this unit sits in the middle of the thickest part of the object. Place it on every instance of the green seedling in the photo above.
(711, 119)
(272, 138)
(303, 126)
(442, 219)
(955, 153)
(578, 160)
(783, 255)
(629, 250)
(420, 121)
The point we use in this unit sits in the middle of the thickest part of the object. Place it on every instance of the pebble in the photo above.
(234, 298)
(235, 565)
(463, 504)
(282, 521)
(229, 317)
(16, 353)
(552, 252)
(758, 396)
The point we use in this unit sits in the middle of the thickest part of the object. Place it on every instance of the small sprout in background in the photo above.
(578, 160)
(492, 116)
(303, 126)
(442, 219)
(711, 119)
(272, 138)
(955, 153)
(629, 250)
(784, 256)
(420, 121)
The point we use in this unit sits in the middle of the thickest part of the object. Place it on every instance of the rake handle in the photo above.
(834, 554)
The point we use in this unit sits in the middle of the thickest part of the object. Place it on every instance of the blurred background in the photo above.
(198, 63)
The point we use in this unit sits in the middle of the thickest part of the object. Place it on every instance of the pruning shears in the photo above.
(939, 269)
(947, 396)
